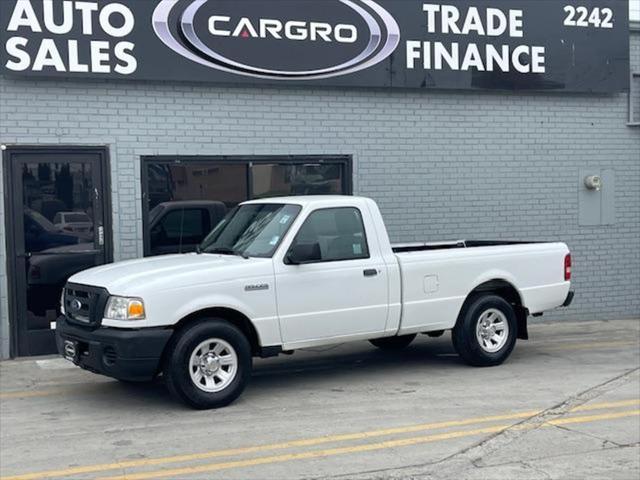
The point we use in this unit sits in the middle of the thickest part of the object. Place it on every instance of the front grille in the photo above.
(84, 304)
(77, 304)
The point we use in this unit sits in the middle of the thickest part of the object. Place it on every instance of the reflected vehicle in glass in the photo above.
(40, 234)
(48, 271)
(48, 263)
(78, 223)
(179, 227)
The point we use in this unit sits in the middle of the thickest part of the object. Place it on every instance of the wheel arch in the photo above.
(235, 317)
(507, 290)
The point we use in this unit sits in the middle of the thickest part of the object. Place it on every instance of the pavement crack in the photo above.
(529, 466)
(590, 394)
(529, 463)
(475, 453)
(606, 443)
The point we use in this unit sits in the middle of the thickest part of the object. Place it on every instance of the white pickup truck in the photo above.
(286, 273)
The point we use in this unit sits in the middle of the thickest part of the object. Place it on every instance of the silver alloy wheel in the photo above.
(213, 365)
(492, 330)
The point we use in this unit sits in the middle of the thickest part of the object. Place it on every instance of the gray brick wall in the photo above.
(442, 165)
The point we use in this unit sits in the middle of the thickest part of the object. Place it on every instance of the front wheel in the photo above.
(486, 331)
(209, 365)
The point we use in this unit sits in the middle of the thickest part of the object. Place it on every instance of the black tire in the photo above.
(465, 339)
(176, 369)
(393, 343)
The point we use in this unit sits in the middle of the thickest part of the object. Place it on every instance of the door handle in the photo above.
(370, 272)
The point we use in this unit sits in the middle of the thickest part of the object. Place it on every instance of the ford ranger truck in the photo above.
(281, 274)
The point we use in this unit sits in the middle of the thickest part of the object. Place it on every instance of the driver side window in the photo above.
(332, 234)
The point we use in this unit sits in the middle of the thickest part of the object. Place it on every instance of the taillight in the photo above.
(567, 267)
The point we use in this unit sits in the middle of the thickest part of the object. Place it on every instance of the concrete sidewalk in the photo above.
(565, 405)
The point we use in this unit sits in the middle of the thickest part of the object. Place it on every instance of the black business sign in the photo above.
(565, 45)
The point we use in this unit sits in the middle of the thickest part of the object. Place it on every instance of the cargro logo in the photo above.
(281, 40)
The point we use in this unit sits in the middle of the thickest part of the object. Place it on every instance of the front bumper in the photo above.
(132, 355)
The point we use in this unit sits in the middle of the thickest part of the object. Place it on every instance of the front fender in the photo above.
(257, 310)
(167, 308)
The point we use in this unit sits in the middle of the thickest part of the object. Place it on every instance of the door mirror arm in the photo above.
(289, 259)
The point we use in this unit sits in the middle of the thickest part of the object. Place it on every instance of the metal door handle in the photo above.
(370, 272)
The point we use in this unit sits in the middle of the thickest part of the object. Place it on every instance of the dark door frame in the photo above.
(15, 303)
(249, 160)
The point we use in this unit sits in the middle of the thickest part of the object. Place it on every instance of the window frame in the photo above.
(346, 161)
(633, 122)
(364, 232)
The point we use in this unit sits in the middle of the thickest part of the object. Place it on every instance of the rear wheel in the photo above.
(486, 331)
(393, 343)
(209, 365)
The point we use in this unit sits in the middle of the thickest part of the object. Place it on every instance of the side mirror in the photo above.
(302, 253)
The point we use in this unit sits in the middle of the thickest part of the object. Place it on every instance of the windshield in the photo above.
(253, 230)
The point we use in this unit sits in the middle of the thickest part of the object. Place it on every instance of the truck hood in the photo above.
(135, 277)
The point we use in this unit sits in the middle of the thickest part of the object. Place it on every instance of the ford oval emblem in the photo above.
(278, 40)
(75, 305)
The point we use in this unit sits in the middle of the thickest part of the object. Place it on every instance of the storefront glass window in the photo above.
(308, 179)
(186, 198)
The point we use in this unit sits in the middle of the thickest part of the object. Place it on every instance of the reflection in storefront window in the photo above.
(181, 188)
(58, 234)
(307, 179)
(219, 182)
(58, 205)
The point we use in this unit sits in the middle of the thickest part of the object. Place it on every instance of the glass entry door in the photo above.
(58, 220)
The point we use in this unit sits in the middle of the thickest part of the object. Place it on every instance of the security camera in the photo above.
(593, 182)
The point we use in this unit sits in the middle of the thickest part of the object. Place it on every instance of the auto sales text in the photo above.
(86, 18)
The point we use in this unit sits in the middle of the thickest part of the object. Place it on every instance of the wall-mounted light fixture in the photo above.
(593, 182)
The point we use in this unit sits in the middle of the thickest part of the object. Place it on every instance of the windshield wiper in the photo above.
(227, 251)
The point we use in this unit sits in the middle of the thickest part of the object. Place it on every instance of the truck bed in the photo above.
(437, 277)
(420, 246)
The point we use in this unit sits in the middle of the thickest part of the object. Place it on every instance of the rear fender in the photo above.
(501, 283)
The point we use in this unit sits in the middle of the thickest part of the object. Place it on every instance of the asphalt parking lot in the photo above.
(565, 405)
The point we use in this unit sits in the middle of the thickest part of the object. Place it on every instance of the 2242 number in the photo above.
(581, 17)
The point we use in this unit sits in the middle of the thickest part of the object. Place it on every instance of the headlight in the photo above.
(124, 308)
